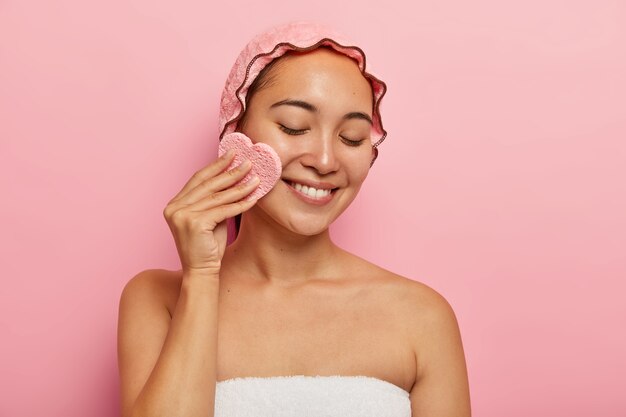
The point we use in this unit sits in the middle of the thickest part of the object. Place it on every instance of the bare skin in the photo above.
(287, 300)
(320, 329)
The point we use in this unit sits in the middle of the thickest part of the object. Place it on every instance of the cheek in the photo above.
(287, 147)
(266, 132)
(361, 171)
(359, 164)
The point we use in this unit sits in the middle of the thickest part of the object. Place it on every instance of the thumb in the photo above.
(221, 234)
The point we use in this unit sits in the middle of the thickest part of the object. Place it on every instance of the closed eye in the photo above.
(290, 131)
(352, 142)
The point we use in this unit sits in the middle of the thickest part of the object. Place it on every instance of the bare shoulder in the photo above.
(424, 309)
(417, 298)
(423, 301)
(421, 310)
(154, 286)
(441, 380)
(143, 321)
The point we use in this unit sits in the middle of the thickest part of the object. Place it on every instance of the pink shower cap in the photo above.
(269, 45)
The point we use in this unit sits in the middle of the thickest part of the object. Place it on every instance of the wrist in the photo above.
(205, 271)
(198, 277)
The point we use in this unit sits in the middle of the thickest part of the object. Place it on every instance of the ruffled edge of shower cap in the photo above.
(272, 44)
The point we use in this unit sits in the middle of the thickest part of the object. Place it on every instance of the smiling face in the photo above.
(316, 113)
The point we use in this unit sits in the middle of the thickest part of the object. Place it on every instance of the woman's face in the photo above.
(316, 113)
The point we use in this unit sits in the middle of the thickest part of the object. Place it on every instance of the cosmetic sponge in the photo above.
(265, 162)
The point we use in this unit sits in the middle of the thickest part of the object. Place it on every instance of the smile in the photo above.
(310, 191)
(311, 195)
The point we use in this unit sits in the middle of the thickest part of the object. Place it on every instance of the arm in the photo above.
(168, 365)
(441, 388)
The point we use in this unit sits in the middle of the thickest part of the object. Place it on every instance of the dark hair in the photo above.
(263, 80)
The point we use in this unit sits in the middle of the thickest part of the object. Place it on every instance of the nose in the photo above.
(321, 154)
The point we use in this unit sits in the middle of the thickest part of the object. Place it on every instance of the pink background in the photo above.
(501, 183)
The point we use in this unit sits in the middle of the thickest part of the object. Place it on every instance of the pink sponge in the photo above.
(265, 161)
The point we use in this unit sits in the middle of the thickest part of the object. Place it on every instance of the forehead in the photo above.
(318, 76)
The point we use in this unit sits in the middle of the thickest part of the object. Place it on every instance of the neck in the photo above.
(271, 253)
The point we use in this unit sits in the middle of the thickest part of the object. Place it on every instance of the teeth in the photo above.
(310, 191)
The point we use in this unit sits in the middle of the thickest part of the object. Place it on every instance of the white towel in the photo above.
(310, 396)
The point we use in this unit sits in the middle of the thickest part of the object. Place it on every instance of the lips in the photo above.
(310, 194)
(311, 188)
(315, 184)
(310, 191)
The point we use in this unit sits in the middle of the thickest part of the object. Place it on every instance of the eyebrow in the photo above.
(310, 107)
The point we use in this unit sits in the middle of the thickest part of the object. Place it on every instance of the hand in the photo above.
(197, 214)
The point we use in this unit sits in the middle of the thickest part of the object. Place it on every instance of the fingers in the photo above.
(211, 196)
(221, 213)
(226, 197)
(218, 183)
(214, 208)
(209, 171)
(215, 191)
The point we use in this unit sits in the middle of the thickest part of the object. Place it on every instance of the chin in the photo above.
(304, 226)
(308, 231)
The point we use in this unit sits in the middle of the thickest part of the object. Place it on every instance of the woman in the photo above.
(282, 321)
